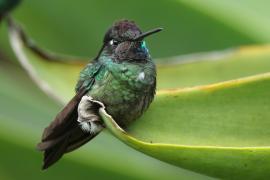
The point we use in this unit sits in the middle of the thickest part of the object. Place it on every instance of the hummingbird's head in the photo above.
(125, 41)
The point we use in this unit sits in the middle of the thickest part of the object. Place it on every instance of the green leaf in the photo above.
(212, 67)
(220, 130)
(189, 26)
(52, 67)
(242, 14)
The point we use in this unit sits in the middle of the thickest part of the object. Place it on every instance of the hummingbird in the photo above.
(122, 77)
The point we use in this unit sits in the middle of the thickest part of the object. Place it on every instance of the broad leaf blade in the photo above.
(190, 26)
(50, 72)
(219, 130)
(242, 15)
(213, 67)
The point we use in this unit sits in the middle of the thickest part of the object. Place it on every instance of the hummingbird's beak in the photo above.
(100, 51)
(148, 33)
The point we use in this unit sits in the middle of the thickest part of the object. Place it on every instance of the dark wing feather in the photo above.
(64, 134)
(64, 119)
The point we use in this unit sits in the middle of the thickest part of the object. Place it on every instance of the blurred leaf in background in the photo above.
(77, 27)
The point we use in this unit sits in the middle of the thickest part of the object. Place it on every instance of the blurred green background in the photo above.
(77, 28)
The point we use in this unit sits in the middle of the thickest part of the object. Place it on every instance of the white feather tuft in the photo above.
(141, 76)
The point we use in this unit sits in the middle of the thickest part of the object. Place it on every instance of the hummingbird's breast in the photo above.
(126, 89)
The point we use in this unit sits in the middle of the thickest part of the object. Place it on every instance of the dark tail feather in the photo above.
(54, 153)
(72, 141)
(64, 133)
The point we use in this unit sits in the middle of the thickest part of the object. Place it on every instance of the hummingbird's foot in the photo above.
(88, 115)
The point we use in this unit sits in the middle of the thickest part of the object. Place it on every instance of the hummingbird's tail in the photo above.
(64, 134)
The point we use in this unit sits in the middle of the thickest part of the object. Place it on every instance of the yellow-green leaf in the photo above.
(213, 67)
(219, 130)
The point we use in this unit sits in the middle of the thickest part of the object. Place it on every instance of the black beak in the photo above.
(100, 51)
(148, 33)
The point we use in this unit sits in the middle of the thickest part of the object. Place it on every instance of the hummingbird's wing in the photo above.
(87, 75)
(64, 133)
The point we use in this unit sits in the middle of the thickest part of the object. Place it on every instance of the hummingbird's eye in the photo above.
(113, 42)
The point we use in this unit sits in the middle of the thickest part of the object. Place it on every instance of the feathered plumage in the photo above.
(122, 77)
